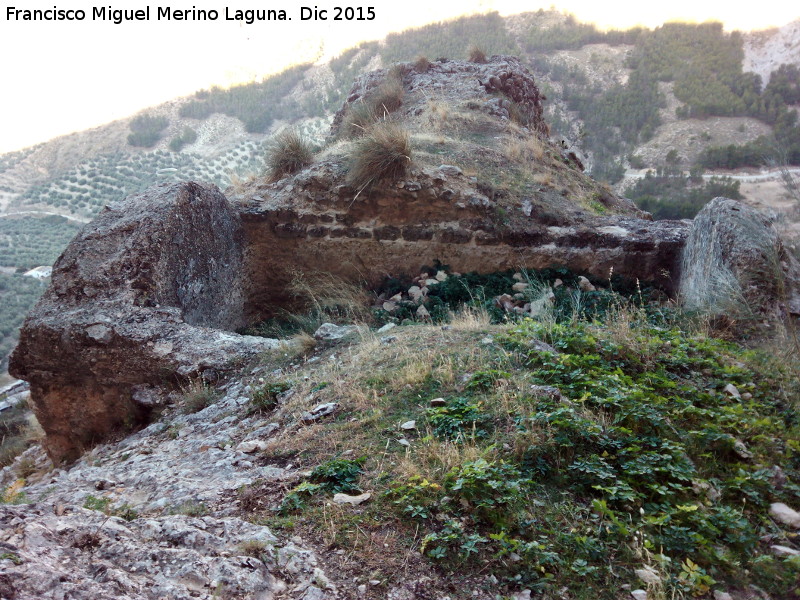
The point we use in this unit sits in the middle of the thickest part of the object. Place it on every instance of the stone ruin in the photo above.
(150, 292)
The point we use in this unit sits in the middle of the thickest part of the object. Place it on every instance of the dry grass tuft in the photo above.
(434, 458)
(198, 395)
(544, 179)
(302, 343)
(385, 99)
(388, 97)
(476, 54)
(437, 114)
(524, 150)
(288, 153)
(239, 181)
(519, 114)
(422, 64)
(359, 118)
(471, 319)
(383, 153)
(328, 297)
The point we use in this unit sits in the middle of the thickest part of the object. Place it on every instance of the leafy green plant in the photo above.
(459, 420)
(694, 578)
(297, 499)
(338, 475)
(333, 476)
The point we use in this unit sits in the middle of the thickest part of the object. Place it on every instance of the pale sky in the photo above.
(60, 77)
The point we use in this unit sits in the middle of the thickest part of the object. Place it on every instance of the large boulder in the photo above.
(144, 295)
(735, 263)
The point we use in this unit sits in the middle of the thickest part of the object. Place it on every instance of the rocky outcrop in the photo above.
(503, 81)
(142, 296)
(735, 263)
(85, 554)
(158, 514)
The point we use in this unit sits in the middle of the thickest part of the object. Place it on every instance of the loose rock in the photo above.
(333, 333)
(783, 551)
(585, 285)
(785, 515)
(320, 411)
(732, 391)
(354, 500)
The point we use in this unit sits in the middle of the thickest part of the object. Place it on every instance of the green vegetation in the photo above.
(103, 505)
(256, 105)
(705, 64)
(450, 39)
(648, 454)
(782, 147)
(18, 294)
(773, 106)
(339, 475)
(146, 130)
(28, 242)
(478, 290)
(670, 194)
(10, 160)
(198, 395)
(265, 398)
(571, 35)
(615, 119)
(567, 452)
(187, 136)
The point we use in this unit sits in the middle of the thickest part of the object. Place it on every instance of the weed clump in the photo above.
(265, 398)
(383, 153)
(339, 475)
(289, 153)
(359, 118)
